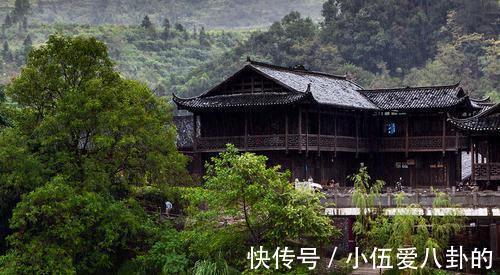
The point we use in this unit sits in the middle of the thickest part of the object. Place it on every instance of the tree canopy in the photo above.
(83, 141)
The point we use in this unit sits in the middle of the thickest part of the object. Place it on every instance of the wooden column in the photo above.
(286, 132)
(407, 139)
(356, 123)
(458, 168)
(307, 131)
(246, 131)
(300, 129)
(488, 160)
(472, 177)
(444, 134)
(335, 132)
(319, 132)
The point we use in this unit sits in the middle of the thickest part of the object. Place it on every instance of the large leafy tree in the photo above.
(84, 141)
(256, 203)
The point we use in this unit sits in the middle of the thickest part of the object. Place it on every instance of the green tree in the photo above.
(146, 23)
(6, 53)
(203, 38)
(100, 139)
(179, 27)
(59, 228)
(148, 26)
(21, 9)
(7, 21)
(27, 46)
(166, 29)
(243, 201)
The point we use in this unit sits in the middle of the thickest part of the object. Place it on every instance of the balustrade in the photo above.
(332, 143)
(487, 171)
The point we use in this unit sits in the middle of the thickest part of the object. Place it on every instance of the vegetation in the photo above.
(87, 152)
(210, 13)
(379, 44)
(83, 141)
(146, 55)
(403, 229)
(89, 156)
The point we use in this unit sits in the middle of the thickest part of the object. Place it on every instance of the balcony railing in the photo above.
(487, 171)
(313, 142)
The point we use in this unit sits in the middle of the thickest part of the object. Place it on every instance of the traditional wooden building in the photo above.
(325, 126)
(484, 132)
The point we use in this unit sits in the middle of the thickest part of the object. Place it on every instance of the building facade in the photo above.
(325, 126)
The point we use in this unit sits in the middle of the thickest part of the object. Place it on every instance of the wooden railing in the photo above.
(313, 142)
(487, 171)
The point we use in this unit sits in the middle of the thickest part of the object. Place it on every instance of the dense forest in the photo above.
(209, 13)
(377, 43)
(381, 44)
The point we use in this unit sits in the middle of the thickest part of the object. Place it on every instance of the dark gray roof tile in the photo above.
(416, 97)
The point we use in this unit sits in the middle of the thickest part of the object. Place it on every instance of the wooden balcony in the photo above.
(487, 171)
(314, 142)
(421, 143)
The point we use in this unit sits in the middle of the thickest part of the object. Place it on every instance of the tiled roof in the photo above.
(483, 103)
(487, 120)
(325, 88)
(416, 97)
(233, 101)
(301, 84)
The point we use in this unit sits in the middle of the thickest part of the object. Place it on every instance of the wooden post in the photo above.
(286, 132)
(246, 131)
(488, 160)
(356, 124)
(300, 129)
(307, 131)
(335, 132)
(407, 143)
(444, 134)
(319, 132)
(472, 176)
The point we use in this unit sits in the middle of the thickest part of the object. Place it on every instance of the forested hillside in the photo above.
(160, 56)
(378, 43)
(209, 13)
(382, 44)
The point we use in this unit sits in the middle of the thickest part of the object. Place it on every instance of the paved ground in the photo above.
(366, 269)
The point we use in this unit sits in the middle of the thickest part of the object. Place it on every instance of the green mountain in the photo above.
(209, 13)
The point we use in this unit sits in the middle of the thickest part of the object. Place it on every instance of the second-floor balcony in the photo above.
(314, 142)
